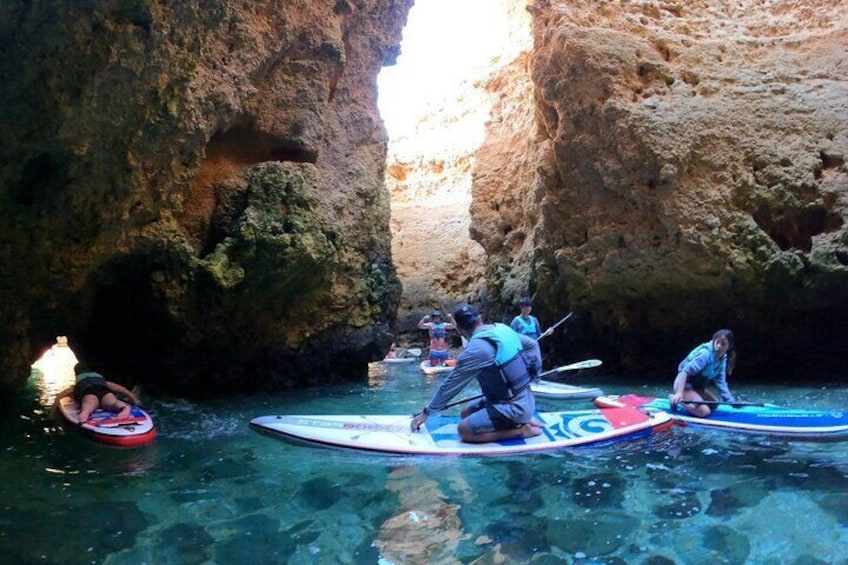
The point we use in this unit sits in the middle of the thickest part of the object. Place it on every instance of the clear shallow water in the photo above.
(210, 490)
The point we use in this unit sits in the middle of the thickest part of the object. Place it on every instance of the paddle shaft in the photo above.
(555, 326)
(587, 364)
(720, 402)
(579, 365)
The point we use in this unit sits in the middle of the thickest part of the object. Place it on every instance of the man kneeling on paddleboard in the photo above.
(504, 364)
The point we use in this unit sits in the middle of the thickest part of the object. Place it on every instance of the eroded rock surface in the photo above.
(193, 191)
(685, 171)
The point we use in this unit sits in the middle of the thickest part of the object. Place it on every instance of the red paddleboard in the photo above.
(105, 427)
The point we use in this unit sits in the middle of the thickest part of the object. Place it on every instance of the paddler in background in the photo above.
(438, 331)
(527, 324)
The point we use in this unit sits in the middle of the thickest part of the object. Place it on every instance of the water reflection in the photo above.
(54, 371)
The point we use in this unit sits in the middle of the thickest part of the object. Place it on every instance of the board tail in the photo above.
(624, 417)
(627, 400)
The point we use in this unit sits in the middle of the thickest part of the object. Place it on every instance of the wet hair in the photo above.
(525, 301)
(731, 350)
(81, 367)
(465, 318)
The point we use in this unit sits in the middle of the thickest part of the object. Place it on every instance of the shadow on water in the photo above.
(211, 490)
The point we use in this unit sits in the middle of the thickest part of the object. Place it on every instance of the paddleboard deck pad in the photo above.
(562, 391)
(439, 436)
(135, 430)
(766, 419)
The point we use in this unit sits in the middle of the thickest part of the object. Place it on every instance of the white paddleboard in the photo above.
(439, 436)
(562, 391)
(428, 369)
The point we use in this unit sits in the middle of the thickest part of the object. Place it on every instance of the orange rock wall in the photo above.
(683, 170)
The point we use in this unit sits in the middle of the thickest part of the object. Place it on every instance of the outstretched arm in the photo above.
(679, 387)
(119, 389)
(66, 392)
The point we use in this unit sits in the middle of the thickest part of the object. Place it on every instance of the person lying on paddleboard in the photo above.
(396, 352)
(504, 363)
(709, 363)
(92, 391)
(527, 324)
(438, 336)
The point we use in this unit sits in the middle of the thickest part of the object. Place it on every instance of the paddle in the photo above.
(413, 352)
(587, 364)
(720, 402)
(551, 329)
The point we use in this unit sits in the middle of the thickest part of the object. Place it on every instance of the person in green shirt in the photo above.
(93, 391)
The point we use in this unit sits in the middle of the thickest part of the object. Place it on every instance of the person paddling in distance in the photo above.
(93, 391)
(709, 363)
(527, 324)
(504, 363)
(438, 330)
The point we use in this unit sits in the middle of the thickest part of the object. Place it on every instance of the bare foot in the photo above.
(536, 423)
(529, 430)
(125, 411)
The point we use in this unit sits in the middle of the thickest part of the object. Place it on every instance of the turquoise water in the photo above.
(210, 490)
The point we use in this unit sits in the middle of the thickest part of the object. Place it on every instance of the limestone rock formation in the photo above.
(429, 177)
(183, 188)
(684, 170)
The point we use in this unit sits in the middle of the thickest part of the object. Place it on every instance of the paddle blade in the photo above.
(587, 364)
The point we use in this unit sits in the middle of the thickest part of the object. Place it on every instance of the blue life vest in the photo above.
(509, 376)
(529, 327)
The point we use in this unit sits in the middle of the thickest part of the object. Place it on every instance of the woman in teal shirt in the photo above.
(709, 363)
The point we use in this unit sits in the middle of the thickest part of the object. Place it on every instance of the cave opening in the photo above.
(128, 331)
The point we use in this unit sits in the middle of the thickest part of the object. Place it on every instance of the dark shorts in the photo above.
(489, 417)
(440, 354)
(91, 385)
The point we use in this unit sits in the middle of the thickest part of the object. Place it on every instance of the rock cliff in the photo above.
(681, 168)
(193, 191)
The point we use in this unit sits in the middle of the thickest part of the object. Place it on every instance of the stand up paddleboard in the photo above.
(439, 436)
(745, 417)
(391, 360)
(428, 369)
(133, 431)
(561, 391)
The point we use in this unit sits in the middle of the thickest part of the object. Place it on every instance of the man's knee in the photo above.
(465, 431)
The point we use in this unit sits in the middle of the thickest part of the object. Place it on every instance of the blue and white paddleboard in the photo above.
(562, 391)
(766, 419)
(438, 436)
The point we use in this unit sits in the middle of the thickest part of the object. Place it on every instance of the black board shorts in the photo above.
(90, 385)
